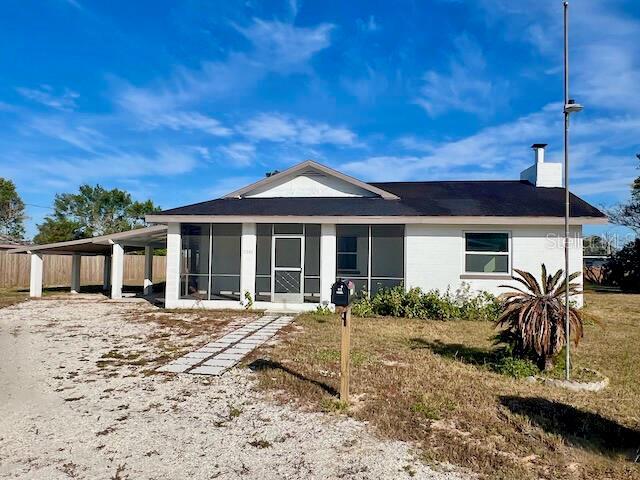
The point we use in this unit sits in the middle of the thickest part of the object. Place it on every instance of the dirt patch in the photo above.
(80, 400)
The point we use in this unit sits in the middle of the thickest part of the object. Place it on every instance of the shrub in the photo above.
(622, 269)
(533, 319)
(414, 303)
(516, 367)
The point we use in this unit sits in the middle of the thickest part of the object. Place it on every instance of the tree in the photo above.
(533, 319)
(91, 212)
(628, 214)
(598, 245)
(622, 269)
(11, 211)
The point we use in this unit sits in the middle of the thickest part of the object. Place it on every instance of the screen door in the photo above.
(287, 269)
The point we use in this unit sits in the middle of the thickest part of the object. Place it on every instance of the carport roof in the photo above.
(155, 236)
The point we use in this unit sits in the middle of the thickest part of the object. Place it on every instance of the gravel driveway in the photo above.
(79, 399)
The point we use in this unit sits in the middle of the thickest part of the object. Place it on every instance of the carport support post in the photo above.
(117, 270)
(35, 277)
(76, 263)
(148, 270)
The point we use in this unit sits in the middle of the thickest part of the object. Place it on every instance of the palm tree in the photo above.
(534, 318)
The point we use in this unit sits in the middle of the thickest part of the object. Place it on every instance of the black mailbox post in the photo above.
(341, 293)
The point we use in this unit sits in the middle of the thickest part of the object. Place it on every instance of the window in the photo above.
(194, 264)
(312, 263)
(370, 256)
(210, 261)
(225, 261)
(387, 256)
(263, 262)
(487, 252)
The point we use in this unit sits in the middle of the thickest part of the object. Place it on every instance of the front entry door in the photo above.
(288, 252)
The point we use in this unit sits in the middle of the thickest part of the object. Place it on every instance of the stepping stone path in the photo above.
(217, 357)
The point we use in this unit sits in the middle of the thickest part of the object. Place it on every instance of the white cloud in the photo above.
(283, 46)
(46, 96)
(276, 127)
(276, 47)
(465, 86)
(70, 171)
(502, 151)
(79, 136)
(241, 154)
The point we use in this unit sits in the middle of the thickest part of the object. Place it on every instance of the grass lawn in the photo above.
(10, 296)
(427, 382)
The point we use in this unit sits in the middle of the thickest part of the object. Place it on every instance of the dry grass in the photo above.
(12, 296)
(424, 381)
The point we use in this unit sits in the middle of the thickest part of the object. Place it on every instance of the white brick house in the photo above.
(282, 242)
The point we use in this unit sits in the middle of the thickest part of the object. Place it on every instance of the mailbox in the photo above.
(342, 293)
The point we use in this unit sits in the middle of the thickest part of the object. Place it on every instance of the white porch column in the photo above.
(76, 263)
(106, 273)
(148, 270)
(327, 262)
(248, 261)
(172, 285)
(35, 278)
(117, 270)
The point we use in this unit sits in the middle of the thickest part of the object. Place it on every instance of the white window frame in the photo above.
(466, 252)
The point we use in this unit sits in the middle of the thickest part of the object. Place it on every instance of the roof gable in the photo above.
(310, 179)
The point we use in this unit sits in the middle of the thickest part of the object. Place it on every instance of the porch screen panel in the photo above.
(387, 256)
(312, 263)
(353, 255)
(225, 261)
(194, 261)
(263, 262)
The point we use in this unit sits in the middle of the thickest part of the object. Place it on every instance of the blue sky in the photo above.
(184, 101)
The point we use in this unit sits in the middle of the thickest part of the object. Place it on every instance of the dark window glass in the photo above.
(225, 287)
(226, 249)
(288, 228)
(355, 241)
(194, 287)
(347, 244)
(263, 249)
(347, 262)
(387, 251)
(195, 249)
(487, 242)
(311, 250)
(263, 289)
(376, 284)
(482, 263)
(288, 251)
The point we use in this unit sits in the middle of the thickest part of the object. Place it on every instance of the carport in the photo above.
(113, 248)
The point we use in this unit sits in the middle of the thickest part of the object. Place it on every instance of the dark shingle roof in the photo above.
(463, 198)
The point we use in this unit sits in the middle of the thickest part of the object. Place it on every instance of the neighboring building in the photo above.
(7, 243)
(284, 240)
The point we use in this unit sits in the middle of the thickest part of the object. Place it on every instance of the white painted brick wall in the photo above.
(435, 254)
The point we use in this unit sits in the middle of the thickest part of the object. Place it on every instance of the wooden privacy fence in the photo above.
(14, 270)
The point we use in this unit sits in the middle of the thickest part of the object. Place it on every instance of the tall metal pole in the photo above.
(567, 211)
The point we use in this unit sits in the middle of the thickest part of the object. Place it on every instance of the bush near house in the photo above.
(414, 303)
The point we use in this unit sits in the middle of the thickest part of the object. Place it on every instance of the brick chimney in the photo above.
(541, 174)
